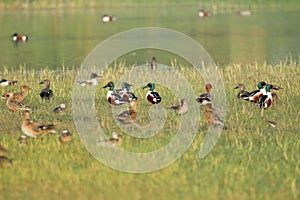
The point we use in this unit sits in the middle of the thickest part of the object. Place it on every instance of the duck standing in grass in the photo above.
(46, 93)
(60, 108)
(207, 97)
(242, 93)
(256, 94)
(274, 93)
(92, 81)
(211, 116)
(109, 18)
(13, 104)
(35, 129)
(20, 96)
(112, 96)
(265, 101)
(16, 37)
(129, 116)
(125, 92)
(204, 13)
(22, 140)
(180, 109)
(152, 97)
(4, 82)
(65, 137)
(153, 63)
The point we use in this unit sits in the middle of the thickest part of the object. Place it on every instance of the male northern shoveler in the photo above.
(4, 82)
(109, 18)
(204, 13)
(211, 116)
(129, 116)
(112, 96)
(65, 137)
(265, 101)
(35, 129)
(242, 93)
(125, 93)
(13, 104)
(20, 96)
(256, 94)
(152, 97)
(22, 140)
(207, 97)
(92, 81)
(60, 108)
(180, 109)
(46, 93)
(16, 37)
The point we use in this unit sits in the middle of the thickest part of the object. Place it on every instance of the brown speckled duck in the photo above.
(13, 104)
(180, 109)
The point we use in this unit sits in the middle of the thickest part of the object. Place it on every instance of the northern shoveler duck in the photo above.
(211, 116)
(20, 96)
(4, 82)
(60, 108)
(204, 13)
(13, 104)
(180, 109)
(22, 140)
(92, 81)
(152, 97)
(65, 137)
(109, 18)
(207, 97)
(35, 129)
(242, 93)
(130, 115)
(46, 93)
(153, 63)
(16, 37)
(112, 96)
(125, 92)
(265, 101)
(274, 93)
(244, 12)
(256, 94)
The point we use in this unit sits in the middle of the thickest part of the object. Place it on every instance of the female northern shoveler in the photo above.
(256, 94)
(204, 13)
(92, 81)
(125, 93)
(180, 109)
(46, 93)
(13, 104)
(20, 96)
(22, 140)
(211, 116)
(130, 115)
(16, 37)
(109, 18)
(35, 129)
(152, 97)
(4, 82)
(112, 96)
(265, 101)
(59, 108)
(65, 137)
(207, 97)
(242, 93)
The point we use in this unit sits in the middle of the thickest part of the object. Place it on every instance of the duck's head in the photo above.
(7, 95)
(132, 103)
(22, 139)
(46, 82)
(14, 35)
(126, 86)
(94, 75)
(240, 85)
(65, 133)
(25, 87)
(110, 84)
(269, 87)
(151, 86)
(261, 85)
(208, 87)
(115, 135)
(183, 102)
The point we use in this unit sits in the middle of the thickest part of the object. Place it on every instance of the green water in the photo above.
(59, 38)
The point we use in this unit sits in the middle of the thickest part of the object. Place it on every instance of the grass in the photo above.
(251, 160)
(213, 5)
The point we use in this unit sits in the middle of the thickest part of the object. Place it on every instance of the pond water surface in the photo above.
(66, 37)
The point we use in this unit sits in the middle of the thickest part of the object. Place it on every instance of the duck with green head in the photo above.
(256, 94)
(112, 96)
(265, 101)
(152, 97)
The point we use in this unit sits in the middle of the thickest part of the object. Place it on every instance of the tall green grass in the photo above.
(251, 160)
